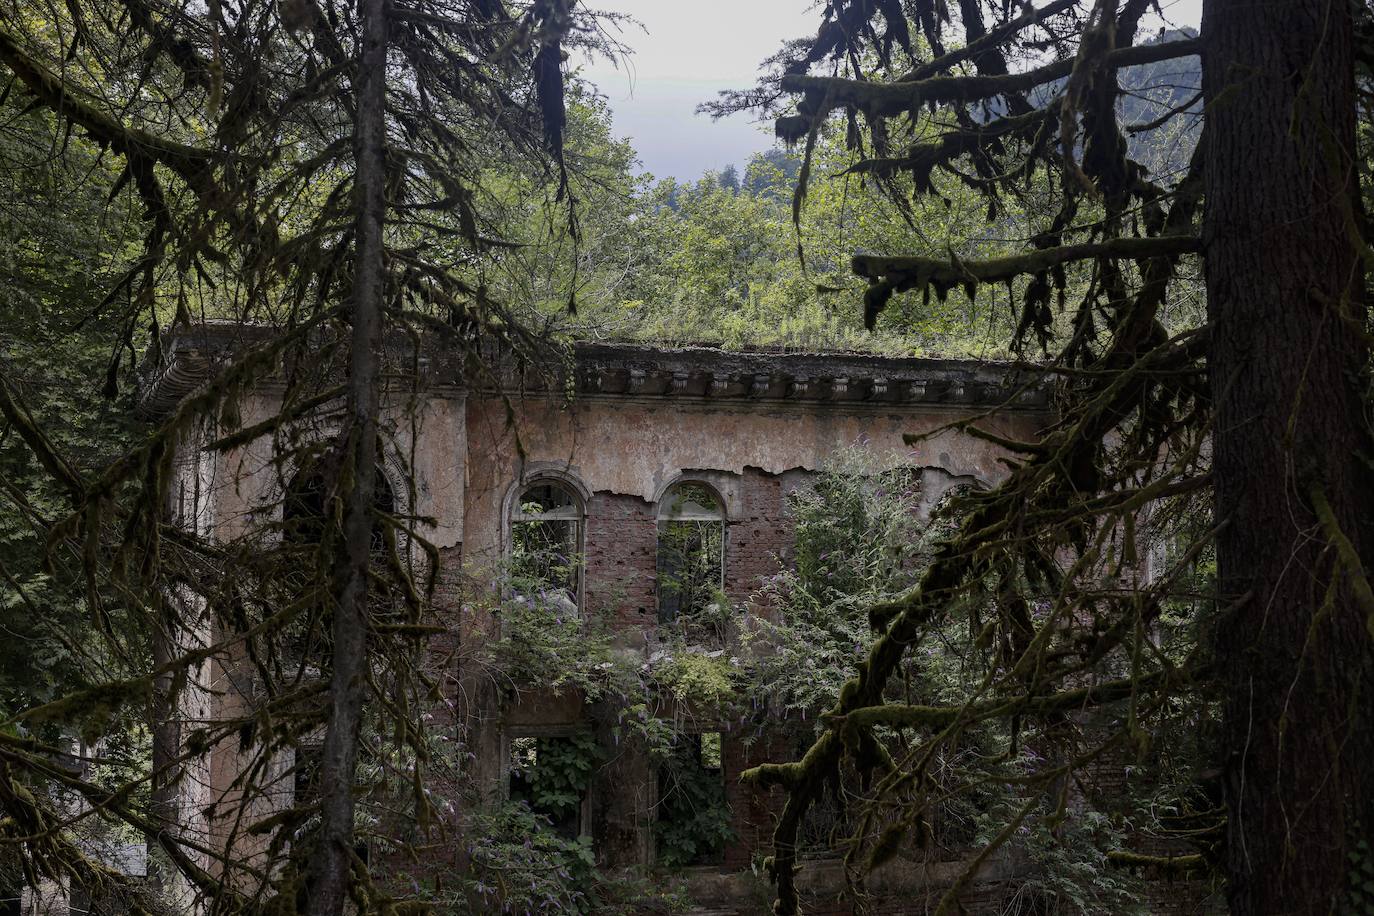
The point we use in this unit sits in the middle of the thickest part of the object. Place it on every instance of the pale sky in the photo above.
(688, 50)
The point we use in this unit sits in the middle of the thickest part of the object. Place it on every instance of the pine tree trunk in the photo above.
(333, 857)
(1285, 289)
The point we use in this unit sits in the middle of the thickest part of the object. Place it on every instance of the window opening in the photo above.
(546, 544)
(553, 776)
(693, 823)
(304, 511)
(691, 551)
(303, 507)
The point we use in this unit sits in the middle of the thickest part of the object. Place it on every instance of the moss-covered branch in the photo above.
(190, 162)
(922, 158)
(915, 272)
(881, 99)
(1184, 864)
(998, 36)
(898, 715)
(53, 461)
(1065, 468)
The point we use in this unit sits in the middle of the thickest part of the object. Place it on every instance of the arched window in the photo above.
(546, 543)
(303, 506)
(691, 550)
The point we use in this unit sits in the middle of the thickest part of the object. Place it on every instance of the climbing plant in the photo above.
(693, 820)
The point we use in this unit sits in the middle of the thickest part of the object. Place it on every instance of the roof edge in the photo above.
(191, 355)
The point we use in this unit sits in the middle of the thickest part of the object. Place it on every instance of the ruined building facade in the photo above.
(620, 446)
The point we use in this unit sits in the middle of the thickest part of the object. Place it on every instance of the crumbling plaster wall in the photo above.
(427, 434)
(231, 494)
(622, 454)
(637, 448)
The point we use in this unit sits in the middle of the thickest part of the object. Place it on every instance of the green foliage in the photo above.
(545, 645)
(701, 679)
(693, 818)
(716, 261)
(521, 865)
(61, 243)
(558, 772)
(1069, 871)
(633, 893)
(858, 539)
(690, 561)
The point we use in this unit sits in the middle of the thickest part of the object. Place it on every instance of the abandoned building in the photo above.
(627, 448)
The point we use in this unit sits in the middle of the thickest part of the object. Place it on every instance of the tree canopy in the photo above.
(1174, 573)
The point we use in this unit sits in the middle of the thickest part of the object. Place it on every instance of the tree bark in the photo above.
(333, 858)
(1285, 288)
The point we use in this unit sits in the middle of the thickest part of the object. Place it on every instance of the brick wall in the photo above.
(760, 531)
(620, 547)
(620, 555)
(753, 812)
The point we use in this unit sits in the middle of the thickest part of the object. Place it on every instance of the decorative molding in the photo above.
(622, 370)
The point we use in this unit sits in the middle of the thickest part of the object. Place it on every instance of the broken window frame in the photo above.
(674, 511)
(573, 513)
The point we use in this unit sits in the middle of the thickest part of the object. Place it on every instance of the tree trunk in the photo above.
(333, 858)
(1285, 290)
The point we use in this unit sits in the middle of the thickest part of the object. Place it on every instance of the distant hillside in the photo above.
(1148, 92)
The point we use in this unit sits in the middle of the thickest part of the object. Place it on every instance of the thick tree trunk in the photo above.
(333, 858)
(1285, 293)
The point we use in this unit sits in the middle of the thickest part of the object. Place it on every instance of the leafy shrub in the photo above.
(558, 773)
(521, 865)
(693, 822)
(1070, 873)
(553, 648)
(706, 680)
(859, 539)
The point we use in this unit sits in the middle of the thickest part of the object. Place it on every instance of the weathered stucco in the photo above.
(637, 448)
(426, 434)
(620, 424)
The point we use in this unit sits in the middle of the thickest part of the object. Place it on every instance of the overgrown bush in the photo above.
(693, 823)
(556, 774)
(859, 538)
(521, 865)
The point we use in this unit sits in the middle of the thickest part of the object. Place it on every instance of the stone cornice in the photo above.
(637, 371)
(708, 374)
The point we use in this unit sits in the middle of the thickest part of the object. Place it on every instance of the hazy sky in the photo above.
(686, 52)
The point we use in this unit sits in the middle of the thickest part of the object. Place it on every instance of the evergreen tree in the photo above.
(1272, 388)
